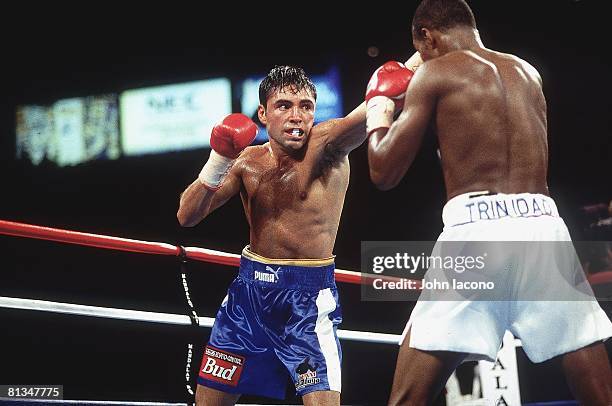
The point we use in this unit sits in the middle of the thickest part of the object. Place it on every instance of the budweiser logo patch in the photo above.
(221, 366)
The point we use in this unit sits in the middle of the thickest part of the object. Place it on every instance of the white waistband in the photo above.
(479, 206)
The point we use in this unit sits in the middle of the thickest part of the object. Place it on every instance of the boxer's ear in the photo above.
(261, 114)
(428, 38)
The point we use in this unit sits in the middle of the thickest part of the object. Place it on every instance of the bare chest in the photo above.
(277, 188)
(297, 187)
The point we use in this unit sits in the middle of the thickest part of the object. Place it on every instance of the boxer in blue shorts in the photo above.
(280, 317)
(281, 314)
(489, 112)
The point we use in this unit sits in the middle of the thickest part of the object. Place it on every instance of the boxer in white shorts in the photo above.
(539, 290)
(489, 112)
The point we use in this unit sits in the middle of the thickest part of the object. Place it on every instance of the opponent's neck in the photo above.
(460, 38)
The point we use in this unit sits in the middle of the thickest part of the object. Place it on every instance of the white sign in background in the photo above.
(68, 125)
(500, 384)
(173, 117)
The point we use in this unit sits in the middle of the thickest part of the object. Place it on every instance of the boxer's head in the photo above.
(434, 24)
(287, 100)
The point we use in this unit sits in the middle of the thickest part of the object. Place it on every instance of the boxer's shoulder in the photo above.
(253, 160)
(255, 155)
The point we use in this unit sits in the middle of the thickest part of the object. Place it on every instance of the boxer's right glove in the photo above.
(385, 93)
(228, 138)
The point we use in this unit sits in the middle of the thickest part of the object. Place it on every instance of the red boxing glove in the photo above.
(385, 92)
(232, 135)
(390, 80)
(228, 139)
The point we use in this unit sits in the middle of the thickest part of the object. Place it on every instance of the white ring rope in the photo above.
(167, 318)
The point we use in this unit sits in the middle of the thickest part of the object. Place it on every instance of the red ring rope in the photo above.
(147, 247)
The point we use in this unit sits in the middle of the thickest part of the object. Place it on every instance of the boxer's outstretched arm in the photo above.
(346, 134)
(198, 200)
(391, 151)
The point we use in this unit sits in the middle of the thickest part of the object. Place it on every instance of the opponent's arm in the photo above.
(393, 145)
(219, 179)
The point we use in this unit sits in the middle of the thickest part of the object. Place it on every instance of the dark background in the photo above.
(91, 51)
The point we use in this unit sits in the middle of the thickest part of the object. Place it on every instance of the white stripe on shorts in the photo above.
(327, 340)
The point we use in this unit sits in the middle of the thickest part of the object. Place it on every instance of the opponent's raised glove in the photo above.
(385, 93)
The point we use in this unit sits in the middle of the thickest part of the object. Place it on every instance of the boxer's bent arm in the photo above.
(197, 201)
(346, 134)
(392, 151)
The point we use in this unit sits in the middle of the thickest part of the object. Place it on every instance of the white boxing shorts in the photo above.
(525, 276)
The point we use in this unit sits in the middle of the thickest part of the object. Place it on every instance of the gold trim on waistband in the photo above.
(291, 262)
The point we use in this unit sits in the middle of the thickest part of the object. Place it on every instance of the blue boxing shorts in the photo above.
(278, 322)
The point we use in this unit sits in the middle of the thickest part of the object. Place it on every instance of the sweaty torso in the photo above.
(293, 206)
(491, 124)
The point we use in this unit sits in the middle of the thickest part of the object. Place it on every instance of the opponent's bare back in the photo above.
(487, 109)
(491, 122)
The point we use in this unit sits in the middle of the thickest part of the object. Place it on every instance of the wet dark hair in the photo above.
(441, 15)
(285, 76)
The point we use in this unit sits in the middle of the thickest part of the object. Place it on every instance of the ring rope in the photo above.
(167, 318)
(147, 247)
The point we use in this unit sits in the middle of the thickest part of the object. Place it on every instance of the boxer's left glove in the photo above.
(385, 93)
(228, 138)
